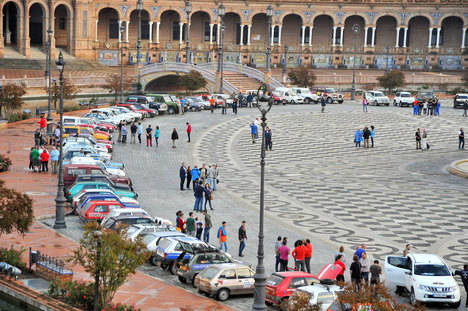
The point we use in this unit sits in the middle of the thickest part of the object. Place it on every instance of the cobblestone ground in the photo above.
(318, 185)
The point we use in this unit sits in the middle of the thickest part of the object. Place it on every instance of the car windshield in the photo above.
(274, 280)
(209, 273)
(426, 94)
(462, 96)
(167, 99)
(174, 99)
(330, 90)
(133, 221)
(378, 94)
(405, 95)
(147, 239)
(431, 270)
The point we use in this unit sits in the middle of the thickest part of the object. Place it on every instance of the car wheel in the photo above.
(292, 102)
(283, 305)
(223, 294)
(395, 103)
(277, 102)
(200, 291)
(193, 281)
(455, 305)
(154, 261)
(412, 298)
(173, 268)
(329, 100)
(307, 101)
(387, 104)
(182, 279)
(171, 110)
(163, 266)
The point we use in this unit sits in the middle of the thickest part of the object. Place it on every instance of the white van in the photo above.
(75, 121)
(284, 95)
(306, 94)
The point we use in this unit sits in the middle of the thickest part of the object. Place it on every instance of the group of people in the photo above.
(302, 254)
(427, 108)
(39, 158)
(421, 140)
(254, 131)
(364, 136)
(203, 180)
(137, 131)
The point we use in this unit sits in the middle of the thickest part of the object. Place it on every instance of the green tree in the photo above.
(465, 78)
(69, 91)
(302, 76)
(113, 85)
(119, 258)
(16, 213)
(193, 81)
(392, 80)
(11, 97)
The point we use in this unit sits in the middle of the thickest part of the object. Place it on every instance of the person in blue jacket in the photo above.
(195, 175)
(253, 131)
(358, 138)
(372, 135)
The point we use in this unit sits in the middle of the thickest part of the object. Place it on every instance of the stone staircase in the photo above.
(241, 81)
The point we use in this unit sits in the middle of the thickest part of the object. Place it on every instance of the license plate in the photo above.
(440, 295)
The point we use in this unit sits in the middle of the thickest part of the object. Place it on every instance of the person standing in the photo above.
(375, 272)
(284, 255)
(308, 254)
(365, 263)
(174, 137)
(203, 172)
(249, 100)
(210, 176)
(223, 106)
(189, 176)
(222, 236)
(208, 196)
(360, 250)
(415, 107)
(37, 137)
(42, 124)
(181, 223)
(198, 193)
(299, 256)
(364, 104)
(424, 145)
(212, 104)
(242, 238)
(182, 105)
(182, 175)
(407, 250)
(215, 175)
(253, 132)
(149, 138)
(31, 161)
(124, 134)
(464, 276)
(119, 127)
(199, 228)
(190, 225)
(36, 159)
(355, 269)
(44, 160)
(277, 254)
(461, 139)
(208, 225)
(157, 132)
(366, 134)
(339, 262)
(323, 103)
(465, 108)
(54, 158)
(358, 138)
(341, 252)
(437, 111)
(189, 131)
(133, 131)
(372, 135)
(268, 139)
(418, 139)
(139, 131)
(195, 175)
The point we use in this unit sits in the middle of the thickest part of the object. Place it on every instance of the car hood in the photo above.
(438, 281)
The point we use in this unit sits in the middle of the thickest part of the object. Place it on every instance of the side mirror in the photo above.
(408, 272)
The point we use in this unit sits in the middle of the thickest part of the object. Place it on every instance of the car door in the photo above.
(245, 281)
(229, 280)
(395, 269)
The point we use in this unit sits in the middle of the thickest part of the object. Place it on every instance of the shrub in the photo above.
(119, 307)
(13, 257)
(5, 163)
(77, 294)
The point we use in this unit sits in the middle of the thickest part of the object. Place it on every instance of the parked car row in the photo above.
(298, 95)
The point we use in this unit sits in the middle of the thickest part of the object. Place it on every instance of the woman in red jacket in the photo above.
(339, 262)
(45, 160)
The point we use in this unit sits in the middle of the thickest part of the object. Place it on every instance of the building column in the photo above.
(272, 33)
(342, 35)
(365, 36)
(438, 37)
(397, 37)
(310, 35)
(181, 32)
(405, 36)
(279, 34)
(150, 25)
(249, 28)
(241, 43)
(463, 38)
(157, 31)
(430, 38)
(211, 33)
(127, 25)
(303, 35)
(120, 33)
(218, 30)
(373, 36)
(334, 36)
(96, 32)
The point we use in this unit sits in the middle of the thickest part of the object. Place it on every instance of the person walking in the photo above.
(437, 109)
(222, 236)
(234, 105)
(215, 175)
(372, 135)
(308, 254)
(133, 131)
(365, 263)
(242, 238)
(355, 269)
(358, 138)
(253, 132)
(195, 175)
(366, 134)
(465, 108)
(339, 262)
(182, 175)
(464, 276)
(149, 138)
(424, 144)
(189, 176)
(208, 225)
(418, 139)
(208, 196)
(124, 134)
(299, 256)
(37, 138)
(190, 225)
(189, 131)
(277, 254)
(36, 159)
(174, 137)
(268, 139)
(157, 132)
(139, 131)
(54, 158)
(31, 161)
(182, 105)
(210, 176)
(249, 100)
(284, 251)
(199, 228)
(119, 127)
(44, 161)
(364, 104)
(415, 107)
(461, 139)
(181, 223)
(198, 194)
(212, 104)
(323, 103)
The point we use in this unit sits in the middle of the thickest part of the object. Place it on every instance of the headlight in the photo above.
(453, 288)
(424, 288)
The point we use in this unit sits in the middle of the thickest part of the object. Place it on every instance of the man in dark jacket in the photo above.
(182, 174)
(464, 276)
(268, 137)
(198, 193)
(242, 238)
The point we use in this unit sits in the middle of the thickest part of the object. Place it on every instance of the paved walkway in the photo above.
(146, 292)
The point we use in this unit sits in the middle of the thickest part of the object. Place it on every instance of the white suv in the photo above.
(403, 99)
(286, 95)
(425, 277)
(322, 295)
(377, 98)
(308, 96)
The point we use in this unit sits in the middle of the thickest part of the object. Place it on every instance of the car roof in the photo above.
(427, 259)
(103, 202)
(82, 166)
(316, 288)
(230, 265)
(462, 94)
(294, 274)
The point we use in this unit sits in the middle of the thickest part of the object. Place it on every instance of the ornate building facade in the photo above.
(324, 33)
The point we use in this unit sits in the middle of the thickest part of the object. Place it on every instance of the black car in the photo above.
(104, 178)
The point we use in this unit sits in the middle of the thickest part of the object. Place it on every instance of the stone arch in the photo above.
(385, 32)
(414, 15)
(210, 14)
(322, 32)
(169, 30)
(12, 12)
(232, 21)
(178, 11)
(395, 16)
(63, 17)
(259, 32)
(111, 6)
(363, 16)
(108, 27)
(451, 32)
(350, 37)
(300, 15)
(199, 28)
(292, 29)
(418, 32)
(332, 17)
(133, 26)
(38, 15)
